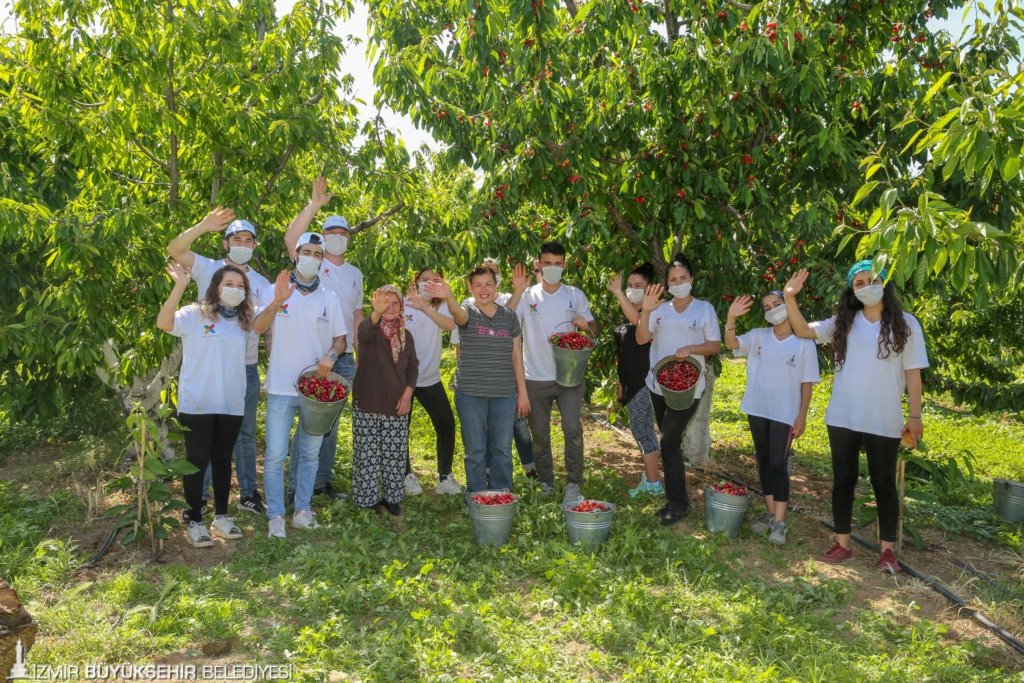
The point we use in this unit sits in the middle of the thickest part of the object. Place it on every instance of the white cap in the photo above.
(239, 226)
(314, 238)
(335, 222)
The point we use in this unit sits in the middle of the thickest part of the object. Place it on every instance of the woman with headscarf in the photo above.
(879, 351)
(382, 399)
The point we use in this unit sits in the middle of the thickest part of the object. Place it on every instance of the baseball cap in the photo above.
(314, 238)
(335, 222)
(239, 226)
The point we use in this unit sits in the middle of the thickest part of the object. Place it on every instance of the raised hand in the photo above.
(796, 283)
(439, 290)
(415, 300)
(217, 220)
(652, 297)
(380, 302)
(178, 274)
(520, 278)
(320, 196)
(741, 306)
(615, 283)
(283, 287)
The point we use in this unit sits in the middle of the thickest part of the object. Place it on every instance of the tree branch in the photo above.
(149, 155)
(739, 5)
(218, 177)
(671, 23)
(269, 187)
(737, 215)
(369, 223)
(570, 5)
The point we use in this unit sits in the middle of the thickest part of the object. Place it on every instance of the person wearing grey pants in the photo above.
(570, 401)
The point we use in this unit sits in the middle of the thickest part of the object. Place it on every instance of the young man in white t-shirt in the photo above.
(544, 309)
(309, 330)
(346, 281)
(239, 242)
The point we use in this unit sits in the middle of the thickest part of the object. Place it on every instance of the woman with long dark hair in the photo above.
(211, 387)
(879, 352)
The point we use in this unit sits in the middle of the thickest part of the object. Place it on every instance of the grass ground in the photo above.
(366, 599)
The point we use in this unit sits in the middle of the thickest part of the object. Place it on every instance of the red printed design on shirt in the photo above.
(485, 331)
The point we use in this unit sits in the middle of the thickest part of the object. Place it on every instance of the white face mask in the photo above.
(552, 274)
(232, 296)
(635, 295)
(680, 291)
(422, 287)
(776, 315)
(240, 255)
(870, 295)
(308, 266)
(335, 244)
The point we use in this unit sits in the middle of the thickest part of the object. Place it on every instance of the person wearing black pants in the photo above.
(434, 400)
(682, 328)
(879, 352)
(211, 387)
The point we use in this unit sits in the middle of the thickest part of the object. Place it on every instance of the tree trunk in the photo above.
(697, 437)
(15, 624)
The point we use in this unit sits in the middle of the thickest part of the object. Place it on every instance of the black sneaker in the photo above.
(393, 509)
(532, 474)
(329, 491)
(252, 504)
(673, 514)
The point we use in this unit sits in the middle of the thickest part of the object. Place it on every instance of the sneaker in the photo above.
(837, 554)
(305, 519)
(572, 494)
(647, 486)
(252, 503)
(531, 473)
(449, 486)
(276, 528)
(762, 524)
(393, 509)
(778, 535)
(887, 562)
(546, 489)
(412, 485)
(329, 491)
(198, 536)
(224, 527)
(671, 514)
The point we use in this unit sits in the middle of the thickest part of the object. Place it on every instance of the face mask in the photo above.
(680, 291)
(335, 244)
(422, 287)
(870, 295)
(240, 255)
(551, 274)
(635, 295)
(308, 266)
(232, 296)
(497, 281)
(776, 315)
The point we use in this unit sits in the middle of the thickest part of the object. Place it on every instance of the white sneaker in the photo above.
(198, 536)
(412, 485)
(224, 527)
(546, 489)
(449, 486)
(277, 529)
(572, 494)
(305, 519)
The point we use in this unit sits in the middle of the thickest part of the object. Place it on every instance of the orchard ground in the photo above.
(364, 598)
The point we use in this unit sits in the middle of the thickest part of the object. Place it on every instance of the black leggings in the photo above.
(771, 441)
(434, 400)
(882, 453)
(672, 424)
(209, 440)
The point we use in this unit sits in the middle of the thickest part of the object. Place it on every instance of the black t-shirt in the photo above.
(634, 360)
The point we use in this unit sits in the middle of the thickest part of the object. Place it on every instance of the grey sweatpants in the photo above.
(570, 402)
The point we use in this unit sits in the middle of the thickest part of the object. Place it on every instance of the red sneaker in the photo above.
(887, 562)
(837, 554)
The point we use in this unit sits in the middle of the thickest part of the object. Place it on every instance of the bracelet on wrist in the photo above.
(913, 417)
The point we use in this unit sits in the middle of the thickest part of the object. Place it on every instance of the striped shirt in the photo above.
(485, 363)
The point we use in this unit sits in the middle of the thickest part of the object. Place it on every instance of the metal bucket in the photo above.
(677, 400)
(318, 418)
(588, 528)
(492, 524)
(724, 511)
(570, 365)
(1008, 497)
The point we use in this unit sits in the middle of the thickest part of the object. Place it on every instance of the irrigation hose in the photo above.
(105, 548)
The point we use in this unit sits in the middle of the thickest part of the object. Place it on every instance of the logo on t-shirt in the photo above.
(534, 309)
(792, 361)
(326, 271)
(408, 317)
(284, 309)
(657, 322)
(323, 316)
(208, 329)
(485, 331)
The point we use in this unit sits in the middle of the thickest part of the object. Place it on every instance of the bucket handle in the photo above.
(585, 333)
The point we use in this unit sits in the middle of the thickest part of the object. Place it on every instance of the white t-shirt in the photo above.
(671, 330)
(261, 290)
(347, 282)
(541, 315)
(212, 377)
(775, 371)
(867, 393)
(502, 300)
(428, 342)
(304, 330)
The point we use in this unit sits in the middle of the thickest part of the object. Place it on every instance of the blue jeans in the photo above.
(245, 444)
(346, 367)
(487, 439)
(281, 414)
(524, 441)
